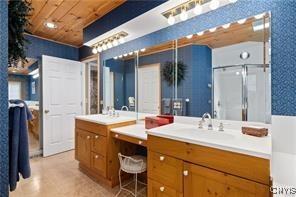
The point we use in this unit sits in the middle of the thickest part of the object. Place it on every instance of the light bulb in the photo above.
(226, 26)
(99, 49)
(109, 45)
(213, 29)
(183, 15)
(189, 36)
(242, 21)
(143, 50)
(200, 33)
(120, 56)
(171, 20)
(198, 9)
(214, 4)
(104, 47)
(115, 42)
(232, 1)
(259, 16)
(94, 50)
(115, 57)
(130, 53)
(124, 55)
(121, 40)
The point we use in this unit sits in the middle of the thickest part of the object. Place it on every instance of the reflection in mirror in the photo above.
(119, 83)
(225, 71)
(156, 79)
(91, 87)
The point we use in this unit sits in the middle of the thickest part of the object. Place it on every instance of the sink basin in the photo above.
(207, 134)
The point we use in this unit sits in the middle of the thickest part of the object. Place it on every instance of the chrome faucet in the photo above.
(124, 107)
(210, 124)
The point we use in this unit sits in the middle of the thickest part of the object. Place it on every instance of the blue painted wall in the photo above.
(39, 47)
(283, 43)
(3, 100)
(125, 12)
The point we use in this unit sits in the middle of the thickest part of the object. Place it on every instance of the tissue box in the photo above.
(255, 131)
(169, 117)
(153, 121)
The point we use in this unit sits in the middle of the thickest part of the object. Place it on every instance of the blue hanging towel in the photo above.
(18, 143)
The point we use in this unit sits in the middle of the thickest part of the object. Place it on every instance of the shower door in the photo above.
(242, 92)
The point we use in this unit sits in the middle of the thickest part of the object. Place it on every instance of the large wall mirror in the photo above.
(224, 71)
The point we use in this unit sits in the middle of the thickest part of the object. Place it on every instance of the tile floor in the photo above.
(58, 176)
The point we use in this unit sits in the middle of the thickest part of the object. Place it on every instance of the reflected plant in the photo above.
(169, 71)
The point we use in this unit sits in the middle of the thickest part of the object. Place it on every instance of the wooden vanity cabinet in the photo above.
(181, 169)
(96, 152)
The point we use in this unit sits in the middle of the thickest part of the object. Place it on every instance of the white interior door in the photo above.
(149, 89)
(62, 101)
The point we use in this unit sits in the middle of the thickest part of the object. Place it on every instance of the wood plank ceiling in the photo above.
(70, 16)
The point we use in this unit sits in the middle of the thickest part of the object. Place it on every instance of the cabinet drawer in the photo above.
(99, 144)
(166, 170)
(91, 127)
(98, 164)
(156, 189)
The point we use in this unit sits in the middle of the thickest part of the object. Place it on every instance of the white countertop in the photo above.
(136, 131)
(229, 140)
(105, 119)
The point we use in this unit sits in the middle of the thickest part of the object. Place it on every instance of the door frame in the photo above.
(158, 65)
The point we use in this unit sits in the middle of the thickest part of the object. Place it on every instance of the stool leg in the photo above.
(120, 186)
(136, 184)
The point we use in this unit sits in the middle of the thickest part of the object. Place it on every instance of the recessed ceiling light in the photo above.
(244, 55)
(50, 25)
(200, 33)
(242, 21)
(213, 29)
(226, 26)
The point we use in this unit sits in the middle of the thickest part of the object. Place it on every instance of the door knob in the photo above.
(185, 172)
(97, 137)
(161, 158)
(161, 189)
(46, 111)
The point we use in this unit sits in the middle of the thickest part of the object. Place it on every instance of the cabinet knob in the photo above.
(185, 172)
(97, 156)
(88, 137)
(96, 136)
(140, 142)
(116, 135)
(161, 158)
(161, 189)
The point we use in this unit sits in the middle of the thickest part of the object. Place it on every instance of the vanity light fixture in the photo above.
(232, 1)
(115, 42)
(214, 4)
(226, 26)
(184, 15)
(213, 29)
(189, 36)
(171, 20)
(259, 16)
(109, 45)
(200, 33)
(104, 47)
(197, 9)
(94, 50)
(143, 50)
(121, 40)
(241, 21)
(99, 49)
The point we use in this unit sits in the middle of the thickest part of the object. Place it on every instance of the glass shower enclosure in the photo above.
(242, 92)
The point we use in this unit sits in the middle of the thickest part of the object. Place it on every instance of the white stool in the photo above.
(133, 165)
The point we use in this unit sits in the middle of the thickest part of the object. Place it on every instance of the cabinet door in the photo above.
(82, 147)
(205, 182)
(156, 189)
(99, 144)
(98, 164)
